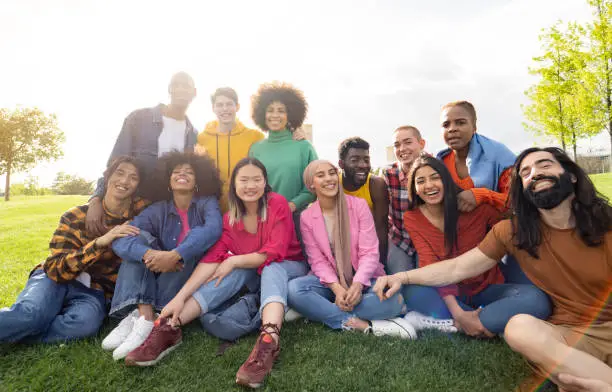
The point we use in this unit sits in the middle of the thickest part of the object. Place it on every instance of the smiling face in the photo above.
(123, 182)
(428, 185)
(545, 182)
(406, 147)
(325, 181)
(183, 178)
(276, 116)
(250, 183)
(457, 127)
(356, 166)
(225, 109)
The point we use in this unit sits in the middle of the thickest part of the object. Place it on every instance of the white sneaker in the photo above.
(292, 315)
(420, 321)
(140, 332)
(120, 333)
(393, 327)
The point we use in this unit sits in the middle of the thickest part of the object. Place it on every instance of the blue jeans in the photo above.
(314, 300)
(512, 271)
(275, 279)
(500, 303)
(136, 284)
(47, 311)
(210, 297)
(398, 260)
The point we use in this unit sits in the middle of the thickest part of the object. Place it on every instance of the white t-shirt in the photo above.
(172, 136)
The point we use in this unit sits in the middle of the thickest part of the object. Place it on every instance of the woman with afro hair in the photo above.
(279, 109)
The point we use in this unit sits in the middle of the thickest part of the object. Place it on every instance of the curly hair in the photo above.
(592, 211)
(352, 142)
(291, 97)
(208, 181)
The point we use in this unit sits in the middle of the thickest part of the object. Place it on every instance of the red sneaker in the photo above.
(162, 340)
(259, 364)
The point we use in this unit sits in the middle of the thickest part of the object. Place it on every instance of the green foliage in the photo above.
(68, 184)
(559, 106)
(599, 79)
(27, 137)
(573, 96)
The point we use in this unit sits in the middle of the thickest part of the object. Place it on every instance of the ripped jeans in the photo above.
(315, 301)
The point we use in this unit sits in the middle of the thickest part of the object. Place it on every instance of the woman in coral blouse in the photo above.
(480, 306)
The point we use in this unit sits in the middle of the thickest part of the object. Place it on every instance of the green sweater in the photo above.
(285, 160)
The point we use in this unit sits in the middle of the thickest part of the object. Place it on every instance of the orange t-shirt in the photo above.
(577, 277)
(472, 227)
(482, 195)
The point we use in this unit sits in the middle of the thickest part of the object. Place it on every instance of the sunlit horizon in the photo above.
(366, 67)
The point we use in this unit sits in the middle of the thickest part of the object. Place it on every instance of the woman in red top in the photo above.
(480, 306)
(258, 239)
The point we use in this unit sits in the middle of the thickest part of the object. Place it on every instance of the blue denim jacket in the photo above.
(163, 222)
(138, 139)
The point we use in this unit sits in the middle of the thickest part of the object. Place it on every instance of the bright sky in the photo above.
(366, 67)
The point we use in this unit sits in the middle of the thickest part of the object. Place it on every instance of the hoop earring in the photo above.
(196, 189)
(169, 190)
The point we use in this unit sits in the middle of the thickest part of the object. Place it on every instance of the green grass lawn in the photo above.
(313, 358)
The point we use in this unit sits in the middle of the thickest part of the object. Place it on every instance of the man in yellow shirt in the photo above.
(357, 181)
(226, 140)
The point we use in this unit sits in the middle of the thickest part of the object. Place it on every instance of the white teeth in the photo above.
(432, 193)
(181, 181)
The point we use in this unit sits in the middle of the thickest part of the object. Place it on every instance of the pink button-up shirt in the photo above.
(364, 243)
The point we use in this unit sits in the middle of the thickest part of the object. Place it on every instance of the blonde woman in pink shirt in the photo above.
(342, 247)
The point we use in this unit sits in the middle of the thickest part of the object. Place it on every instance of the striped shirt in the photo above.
(73, 251)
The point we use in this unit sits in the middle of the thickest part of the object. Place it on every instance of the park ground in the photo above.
(313, 358)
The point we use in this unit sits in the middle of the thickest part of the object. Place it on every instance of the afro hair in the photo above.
(288, 95)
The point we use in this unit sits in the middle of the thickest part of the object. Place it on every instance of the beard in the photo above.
(549, 198)
(350, 174)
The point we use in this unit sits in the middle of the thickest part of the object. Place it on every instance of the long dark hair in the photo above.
(451, 209)
(208, 181)
(236, 205)
(591, 209)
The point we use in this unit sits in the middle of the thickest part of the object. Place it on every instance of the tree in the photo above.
(67, 184)
(598, 83)
(559, 106)
(27, 136)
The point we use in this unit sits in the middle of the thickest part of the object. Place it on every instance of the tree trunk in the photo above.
(563, 143)
(7, 185)
(574, 145)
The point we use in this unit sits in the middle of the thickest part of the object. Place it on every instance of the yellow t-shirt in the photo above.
(363, 192)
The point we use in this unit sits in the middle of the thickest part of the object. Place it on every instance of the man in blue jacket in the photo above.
(148, 134)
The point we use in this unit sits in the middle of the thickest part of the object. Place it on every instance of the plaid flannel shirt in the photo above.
(398, 204)
(73, 250)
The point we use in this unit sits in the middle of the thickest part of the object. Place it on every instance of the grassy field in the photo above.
(313, 358)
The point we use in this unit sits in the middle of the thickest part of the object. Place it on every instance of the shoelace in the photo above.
(267, 347)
